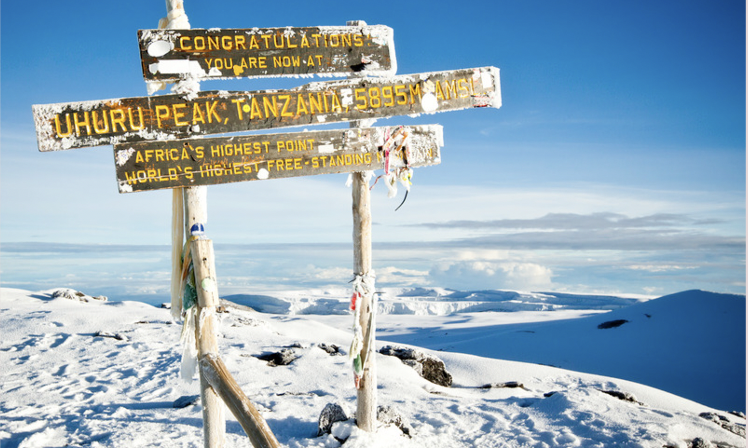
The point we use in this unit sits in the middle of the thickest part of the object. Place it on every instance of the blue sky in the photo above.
(616, 163)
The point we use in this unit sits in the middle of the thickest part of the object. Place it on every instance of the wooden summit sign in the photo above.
(105, 122)
(204, 161)
(170, 55)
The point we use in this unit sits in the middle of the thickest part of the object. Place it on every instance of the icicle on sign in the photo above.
(205, 161)
(169, 55)
(168, 117)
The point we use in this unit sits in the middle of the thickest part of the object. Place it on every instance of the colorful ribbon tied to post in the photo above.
(363, 291)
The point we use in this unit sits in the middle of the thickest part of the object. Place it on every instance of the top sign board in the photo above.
(169, 55)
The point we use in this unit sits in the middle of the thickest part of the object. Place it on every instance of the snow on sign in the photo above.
(205, 161)
(170, 55)
(168, 117)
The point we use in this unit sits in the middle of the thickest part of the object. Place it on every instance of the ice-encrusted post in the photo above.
(214, 420)
(366, 400)
(196, 212)
(366, 405)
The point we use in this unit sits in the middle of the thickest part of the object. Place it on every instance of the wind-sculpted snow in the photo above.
(65, 382)
(429, 301)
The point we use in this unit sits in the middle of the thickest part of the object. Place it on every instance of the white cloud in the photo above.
(491, 275)
(392, 276)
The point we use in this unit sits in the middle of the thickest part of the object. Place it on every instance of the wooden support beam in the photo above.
(214, 420)
(366, 403)
(214, 370)
(366, 395)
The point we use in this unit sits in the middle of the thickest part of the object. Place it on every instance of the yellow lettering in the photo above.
(439, 93)
(415, 89)
(213, 43)
(450, 89)
(375, 99)
(178, 113)
(238, 103)
(131, 178)
(270, 108)
(96, 122)
(388, 94)
(197, 114)
(182, 44)
(85, 122)
(162, 112)
(211, 111)
(57, 127)
(254, 44)
(315, 102)
(241, 42)
(284, 110)
(301, 105)
(401, 92)
(119, 120)
(359, 96)
(132, 122)
(335, 103)
(255, 109)
(462, 89)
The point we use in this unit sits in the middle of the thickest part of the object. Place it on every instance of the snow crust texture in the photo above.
(66, 381)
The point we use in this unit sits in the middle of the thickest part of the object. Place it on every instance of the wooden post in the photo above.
(214, 370)
(366, 395)
(196, 212)
(366, 404)
(214, 420)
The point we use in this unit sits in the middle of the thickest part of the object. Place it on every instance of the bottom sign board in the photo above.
(154, 165)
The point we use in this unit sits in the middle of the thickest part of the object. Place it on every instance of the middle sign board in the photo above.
(167, 117)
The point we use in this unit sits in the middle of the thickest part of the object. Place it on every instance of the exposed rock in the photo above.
(389, 416)
(724, 422)
(282, 358)
(106, 334)
(429, 367)
(332, 349)
(612, 324)
(698, 442)
(506, 385)
(78, 296)
(185, 400)
(332, 413)
(625, 396)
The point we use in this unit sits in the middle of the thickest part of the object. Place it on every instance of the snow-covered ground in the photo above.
(107, 373)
